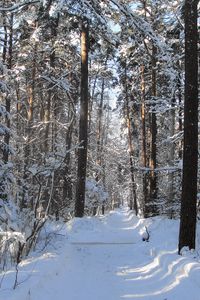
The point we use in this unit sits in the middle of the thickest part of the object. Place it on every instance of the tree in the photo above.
(133, 203)
(83, 123)
(143, 134)
(8, 54)
(190, 152)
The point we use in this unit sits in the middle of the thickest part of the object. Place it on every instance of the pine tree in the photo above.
(187, 231)
(83, 123)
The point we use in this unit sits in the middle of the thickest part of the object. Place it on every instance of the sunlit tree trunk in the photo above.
(133, 202)
(83, 123)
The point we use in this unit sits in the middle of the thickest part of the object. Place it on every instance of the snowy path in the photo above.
(105, 259)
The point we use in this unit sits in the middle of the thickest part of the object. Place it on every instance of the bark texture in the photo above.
(83, 124)
(190, 152)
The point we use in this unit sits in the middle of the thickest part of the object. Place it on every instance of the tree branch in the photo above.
(18, 6)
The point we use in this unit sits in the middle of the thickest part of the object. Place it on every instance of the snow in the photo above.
(105, 258)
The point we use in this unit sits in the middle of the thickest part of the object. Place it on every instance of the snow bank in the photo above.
(105, 258)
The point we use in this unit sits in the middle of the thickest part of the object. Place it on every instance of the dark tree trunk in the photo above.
(99, 131)
(29, 132)
(171, 156)
(8, 103)
(5, 40)
(83, 123)
(99, 141)
(153, 154)
(180, 115)
(67, 182)
(144, 148)
(53, 103)
(51, 99)
(190, 151)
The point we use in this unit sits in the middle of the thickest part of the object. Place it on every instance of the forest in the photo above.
(98, 111)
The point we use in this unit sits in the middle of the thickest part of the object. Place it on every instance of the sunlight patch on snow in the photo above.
(34, 259)
(106, 257)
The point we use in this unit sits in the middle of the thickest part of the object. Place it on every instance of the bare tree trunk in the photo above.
(99, 140)
(171, 161)
(144, 150)
(105, 130)
(47, 115)
(91, 101)
(133, 203)
(180, 118)
(5, 43)
(67, 182)
(153, 154)
(99, 129)
(8, 103)
(53, 23)
(83, 123)
(187, 231)
(29, 130)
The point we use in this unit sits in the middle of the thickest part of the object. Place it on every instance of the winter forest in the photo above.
(99, 181)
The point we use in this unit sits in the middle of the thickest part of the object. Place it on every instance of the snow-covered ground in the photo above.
(105, 258)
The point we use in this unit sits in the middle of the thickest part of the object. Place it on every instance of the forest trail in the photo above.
(105, 258)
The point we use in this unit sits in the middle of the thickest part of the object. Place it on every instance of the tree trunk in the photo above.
(8, 104)
(171, 162)
(29, 131)
(53, 23)
(180, 113)
(133, 203)
(67, 182)
(144, 150)
(99, 131)
(91, 102)
(99, 142)
(153, 154)
(190, 151)
(83, 123)
(5, 40)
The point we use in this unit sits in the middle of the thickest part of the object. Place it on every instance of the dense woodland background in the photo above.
(102, 81)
